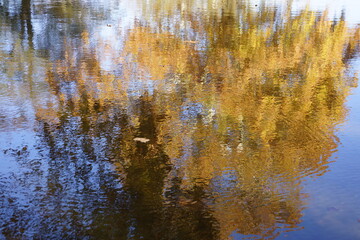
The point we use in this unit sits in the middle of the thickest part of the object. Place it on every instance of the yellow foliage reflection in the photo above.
(238, 114)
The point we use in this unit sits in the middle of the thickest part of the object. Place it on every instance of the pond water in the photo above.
(172, 119)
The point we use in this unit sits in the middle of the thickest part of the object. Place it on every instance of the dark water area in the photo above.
(179, 120)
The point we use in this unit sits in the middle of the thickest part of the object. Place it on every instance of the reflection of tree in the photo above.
(78, 151)
(235, 119)
(23, 18)
(58, 21)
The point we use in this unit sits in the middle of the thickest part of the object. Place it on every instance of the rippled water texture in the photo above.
(175, 120)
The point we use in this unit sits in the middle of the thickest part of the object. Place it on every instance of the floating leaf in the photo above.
(143, 140)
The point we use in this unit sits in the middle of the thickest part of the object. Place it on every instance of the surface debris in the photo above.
(143, 140)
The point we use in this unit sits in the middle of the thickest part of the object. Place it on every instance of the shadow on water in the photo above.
(204, 126)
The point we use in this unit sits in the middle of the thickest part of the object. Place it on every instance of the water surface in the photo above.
(178, 120)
